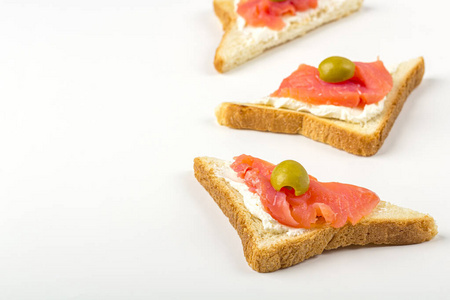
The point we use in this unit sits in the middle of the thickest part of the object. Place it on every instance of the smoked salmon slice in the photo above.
(259, 13)
(370, 84)
(332, 202)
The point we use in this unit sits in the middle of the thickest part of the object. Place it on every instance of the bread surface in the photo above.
(268, 252)
(236, 48)
(359, 139)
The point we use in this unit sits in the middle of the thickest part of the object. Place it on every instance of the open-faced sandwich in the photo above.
(253, 26)
(284, 216)
(348, 105)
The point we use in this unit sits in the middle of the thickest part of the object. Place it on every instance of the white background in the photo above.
(105, 104)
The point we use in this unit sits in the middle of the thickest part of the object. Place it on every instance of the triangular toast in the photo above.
(236, 47)
(360, 139)
(267, 252)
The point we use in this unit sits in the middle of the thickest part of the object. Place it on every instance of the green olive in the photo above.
(290, 173)
(336, 69)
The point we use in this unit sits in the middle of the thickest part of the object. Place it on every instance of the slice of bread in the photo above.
(267, 251)
(236, 47)
(360, 139)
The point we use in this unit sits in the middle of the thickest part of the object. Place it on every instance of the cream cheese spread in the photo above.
(261, 34)
(253, 203)
(348, 114)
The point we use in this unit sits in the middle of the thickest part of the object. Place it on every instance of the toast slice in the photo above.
(267, 251)
(237, 47)
(359, 139)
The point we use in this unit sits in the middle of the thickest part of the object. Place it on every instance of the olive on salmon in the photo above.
(336, 69)
(290, 173)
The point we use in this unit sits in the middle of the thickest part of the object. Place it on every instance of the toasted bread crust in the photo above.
(392, 232)
(267, 252)
(231, 53)
(339, 134)
(224, 10)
